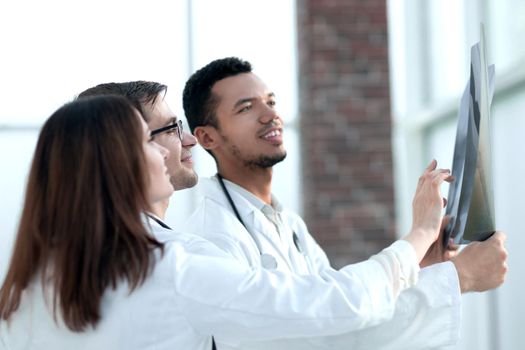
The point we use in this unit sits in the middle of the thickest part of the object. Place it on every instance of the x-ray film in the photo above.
(470, 197)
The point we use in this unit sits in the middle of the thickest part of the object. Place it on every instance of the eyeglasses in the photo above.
(169, 128)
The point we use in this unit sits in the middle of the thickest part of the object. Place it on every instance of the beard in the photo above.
(184, 179)
(256, 162)
(264, 162)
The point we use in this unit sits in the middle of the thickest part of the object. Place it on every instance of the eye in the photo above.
(272, 103)
(167, 132)
(245, 108)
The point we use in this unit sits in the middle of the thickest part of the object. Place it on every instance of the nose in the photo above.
(188, 140)
(269, 115)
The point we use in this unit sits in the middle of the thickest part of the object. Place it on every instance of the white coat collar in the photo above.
(160, 233)
(249, 210)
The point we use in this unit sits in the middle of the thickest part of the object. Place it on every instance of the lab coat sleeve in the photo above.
(426, 316)
(234, 303)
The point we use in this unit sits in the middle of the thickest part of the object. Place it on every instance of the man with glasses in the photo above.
(233, 115)
(166, 129)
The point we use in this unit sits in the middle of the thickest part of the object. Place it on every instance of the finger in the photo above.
(445, 221)
(499, 236)
(419, 183)
(452, 246)
(449, 254)
(435, 180)
(432, 165)
(427, 174)
(440, 172)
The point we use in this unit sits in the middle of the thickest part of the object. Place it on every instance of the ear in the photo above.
(207, 136)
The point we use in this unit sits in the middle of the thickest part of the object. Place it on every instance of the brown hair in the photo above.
(140, 93)
(81, 221)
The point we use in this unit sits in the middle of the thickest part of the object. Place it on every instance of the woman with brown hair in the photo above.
(91, 269)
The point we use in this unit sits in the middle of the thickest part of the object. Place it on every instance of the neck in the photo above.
(256, 181)
(159, 208)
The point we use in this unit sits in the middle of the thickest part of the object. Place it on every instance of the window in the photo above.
(430, 52)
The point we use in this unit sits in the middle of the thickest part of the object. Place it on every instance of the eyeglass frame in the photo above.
(175, 125)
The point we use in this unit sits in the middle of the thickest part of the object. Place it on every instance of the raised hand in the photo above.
(427, 209)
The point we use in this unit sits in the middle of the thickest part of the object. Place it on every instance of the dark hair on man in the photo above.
(140, 93)
(81, 229)
(197, 99)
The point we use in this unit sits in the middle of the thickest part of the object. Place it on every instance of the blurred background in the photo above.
(369, 91)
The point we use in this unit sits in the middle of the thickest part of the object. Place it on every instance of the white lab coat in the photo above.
(426, 316)
(196, 290)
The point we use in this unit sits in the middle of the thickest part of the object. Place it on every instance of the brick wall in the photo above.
(346, 126)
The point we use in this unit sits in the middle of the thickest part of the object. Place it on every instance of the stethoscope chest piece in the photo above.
(268, 261)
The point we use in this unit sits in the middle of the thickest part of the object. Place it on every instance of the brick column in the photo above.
(346, 126)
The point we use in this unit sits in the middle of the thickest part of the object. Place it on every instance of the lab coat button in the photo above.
(268, 261)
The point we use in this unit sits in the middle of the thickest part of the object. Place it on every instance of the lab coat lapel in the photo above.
(252, 216)
(212, 190)
(259, 226)
(272, 244)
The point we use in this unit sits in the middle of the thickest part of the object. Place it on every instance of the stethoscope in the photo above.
(267, 260)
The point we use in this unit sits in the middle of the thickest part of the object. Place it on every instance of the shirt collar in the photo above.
(253, 199)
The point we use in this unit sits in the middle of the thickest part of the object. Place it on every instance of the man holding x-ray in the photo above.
(232, 113)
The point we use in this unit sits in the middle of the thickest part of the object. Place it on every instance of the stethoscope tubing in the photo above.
(257, 243)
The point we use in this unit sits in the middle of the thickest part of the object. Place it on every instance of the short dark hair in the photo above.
(140, 93)
(197, 100)
(81, 218)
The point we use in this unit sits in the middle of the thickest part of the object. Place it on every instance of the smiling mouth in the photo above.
(187, 159)
(271, 134)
